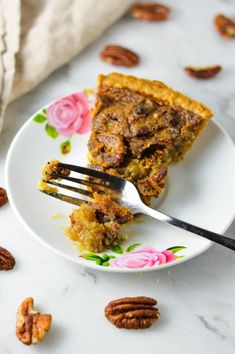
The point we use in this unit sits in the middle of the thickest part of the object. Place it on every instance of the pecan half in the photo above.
(7, 261)
(150, 12)
(225, 26)
(203, 72)
(3, 196)
(132, 312)
(31, 325)
(120, 56)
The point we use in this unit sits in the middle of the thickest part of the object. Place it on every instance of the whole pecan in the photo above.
(117, 55)
(132, 312)
(31, 325)
(150, 12)
(203, 72)
(7, 261)
(225, 26)
(3, 196)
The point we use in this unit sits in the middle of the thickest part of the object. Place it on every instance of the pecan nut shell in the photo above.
(203, 72)
(150, 12)
(31, 325)
(132, 312)
(120, 56)
(225, 26)
(3, 196)
(7, 261)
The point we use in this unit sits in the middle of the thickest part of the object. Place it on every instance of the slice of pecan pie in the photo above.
(140, 127)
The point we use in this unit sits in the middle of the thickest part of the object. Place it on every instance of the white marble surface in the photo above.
(196, 299)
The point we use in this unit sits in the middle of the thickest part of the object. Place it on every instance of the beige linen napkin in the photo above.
(38, 36)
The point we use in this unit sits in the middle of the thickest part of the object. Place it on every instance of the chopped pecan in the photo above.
(225, 26)
(3, 196)
(120, 56)
(112, 149)
(7, 261)
(155, 183)
(132, 312)
(31, 325)
(150, 12)
(203, 72)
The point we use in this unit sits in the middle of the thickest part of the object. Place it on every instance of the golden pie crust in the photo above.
(157, 90)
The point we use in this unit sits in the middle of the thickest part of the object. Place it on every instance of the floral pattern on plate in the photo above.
(67, 116)
(131, 259)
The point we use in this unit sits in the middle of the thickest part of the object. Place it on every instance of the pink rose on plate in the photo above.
(147, 257)
(70, 114)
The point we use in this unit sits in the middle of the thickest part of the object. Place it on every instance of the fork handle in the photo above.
(212, 236)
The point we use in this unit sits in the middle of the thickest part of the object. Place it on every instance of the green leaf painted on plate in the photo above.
(44, 111)
(117, 249)
(111, 257)
(39, 118)
(65, 147)
(51, 131)
(176, 249)
(91, 256)
(99, 262)
(132, 247)
(107, 257)
(179, 257)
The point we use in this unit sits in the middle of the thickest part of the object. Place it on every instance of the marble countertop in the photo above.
(196, 299)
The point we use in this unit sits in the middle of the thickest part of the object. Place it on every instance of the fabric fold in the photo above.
(37, 37)
(10, 33)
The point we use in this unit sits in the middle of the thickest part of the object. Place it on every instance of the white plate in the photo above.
(200, 190)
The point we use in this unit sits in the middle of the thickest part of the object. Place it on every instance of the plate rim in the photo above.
(91, 265)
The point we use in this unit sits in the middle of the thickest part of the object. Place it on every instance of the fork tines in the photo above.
(106, 184)
(65, 198)
(108, 180)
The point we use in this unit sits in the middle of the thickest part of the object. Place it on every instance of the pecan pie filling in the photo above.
(97, 225)
(136, 136)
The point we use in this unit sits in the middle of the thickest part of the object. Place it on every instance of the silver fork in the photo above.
(127, 195)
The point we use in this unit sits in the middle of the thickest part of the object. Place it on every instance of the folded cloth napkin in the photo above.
(38, 36)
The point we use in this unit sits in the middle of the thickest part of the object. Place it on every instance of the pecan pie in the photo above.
(140, 127)
(96, 226)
